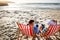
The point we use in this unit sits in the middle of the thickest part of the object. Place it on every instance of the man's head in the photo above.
(31, 22)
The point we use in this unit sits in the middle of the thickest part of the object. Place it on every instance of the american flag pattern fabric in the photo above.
(25, 29)
(52, 29)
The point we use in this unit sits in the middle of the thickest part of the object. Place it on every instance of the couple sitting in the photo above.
(36, 31)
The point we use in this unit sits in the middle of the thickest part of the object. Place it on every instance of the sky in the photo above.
(36, 1)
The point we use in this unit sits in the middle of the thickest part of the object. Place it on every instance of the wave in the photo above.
(33, 6)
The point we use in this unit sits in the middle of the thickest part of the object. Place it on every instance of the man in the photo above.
(31, 25)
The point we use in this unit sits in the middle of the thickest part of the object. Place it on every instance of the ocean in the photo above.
(19, 6)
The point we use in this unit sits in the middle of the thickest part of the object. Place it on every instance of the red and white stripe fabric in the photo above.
(25, 29)
(52, 30)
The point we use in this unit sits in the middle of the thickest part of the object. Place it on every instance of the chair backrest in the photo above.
(25, 29)
(52, 30)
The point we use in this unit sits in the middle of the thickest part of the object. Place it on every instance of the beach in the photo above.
(8, 19)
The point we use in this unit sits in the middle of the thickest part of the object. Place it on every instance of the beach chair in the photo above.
(51, 31)
(24, 29)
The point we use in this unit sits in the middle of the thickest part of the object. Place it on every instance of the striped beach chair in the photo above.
(51, 30)
(25, 30)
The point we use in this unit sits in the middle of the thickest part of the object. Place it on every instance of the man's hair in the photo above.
(31, 21)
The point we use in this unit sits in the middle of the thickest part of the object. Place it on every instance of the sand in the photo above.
(8, 28)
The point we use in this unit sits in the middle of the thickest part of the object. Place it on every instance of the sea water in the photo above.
(19, 6)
